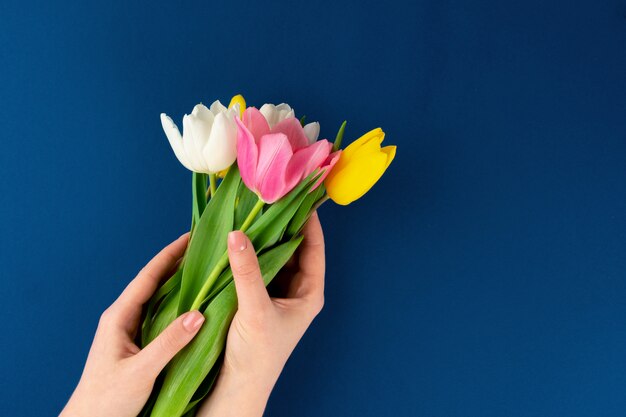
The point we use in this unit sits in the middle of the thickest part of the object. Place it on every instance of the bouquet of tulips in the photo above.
(261, 171)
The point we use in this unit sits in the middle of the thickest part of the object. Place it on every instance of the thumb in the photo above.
(165, 346)
(252, 296)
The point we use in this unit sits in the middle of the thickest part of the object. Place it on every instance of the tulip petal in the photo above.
(276, 114)
(247, 155)
(326, 167)
(284, 107)
(221, 149)
(307, 160)
(356, 178)
(203, 113)
(371, 138)
(256, 123)
(371, 146)
(192, 150)
(217, 107)
(274, 155)
(175, 139)
(312, 131)
(238, 103)
(292, 128)
(201, 123)
(287, 115)
(236, 109)
(391, 153)
(269, 112)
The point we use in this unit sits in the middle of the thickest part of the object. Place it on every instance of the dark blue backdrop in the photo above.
(483, 276)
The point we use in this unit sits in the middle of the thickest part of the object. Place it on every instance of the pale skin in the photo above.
(118, 376)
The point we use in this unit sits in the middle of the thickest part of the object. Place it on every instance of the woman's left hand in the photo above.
(118, 376)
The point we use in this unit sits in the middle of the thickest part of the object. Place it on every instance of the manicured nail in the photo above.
(237, 241)
(193, 321)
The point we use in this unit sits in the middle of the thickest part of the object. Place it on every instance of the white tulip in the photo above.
(312, 131)
(209, 140)
(276, 114)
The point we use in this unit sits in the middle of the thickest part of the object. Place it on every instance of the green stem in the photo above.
(215, 273)
(212, 183)
(320, 202)
(222, 263)
(253, 213)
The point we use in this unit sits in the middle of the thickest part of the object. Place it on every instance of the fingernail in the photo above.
(193, 320)
(237, 241)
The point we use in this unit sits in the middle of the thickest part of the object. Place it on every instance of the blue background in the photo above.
(483, 276)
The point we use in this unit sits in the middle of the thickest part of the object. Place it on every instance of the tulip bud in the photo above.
(209, 139)
(312, 131)
(276, 114)
(239, 101)
(273, 161)
(359, 167)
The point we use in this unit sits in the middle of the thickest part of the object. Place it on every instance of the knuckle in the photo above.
(247, 270)
(317, 305)
(106, 317)
(136, 368)
(146, 274)
(169, 258)
(318, 244)
(262, 315)
(258, 324)
(168, 342)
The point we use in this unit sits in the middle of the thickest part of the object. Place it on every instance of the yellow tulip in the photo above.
(238, 99)
(360, 166)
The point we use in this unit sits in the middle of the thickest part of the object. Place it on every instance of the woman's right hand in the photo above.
(265, 330)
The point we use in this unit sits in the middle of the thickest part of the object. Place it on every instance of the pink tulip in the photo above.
(273, 161)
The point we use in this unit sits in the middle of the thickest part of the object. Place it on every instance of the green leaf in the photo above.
(198, 191)
(339, 137)
(198, 204)
(268, 229)
(220, 283)
(192, 412)
(165, 314)
(192, 365)
(246, 199)
(169, 285)
(304, 212)
(205, 386)
(161, 293)
(208, 242)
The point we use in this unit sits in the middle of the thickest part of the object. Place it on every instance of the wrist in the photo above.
(238, 395)
(72, 409)
(83, 403)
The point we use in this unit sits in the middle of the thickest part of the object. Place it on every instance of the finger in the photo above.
(309, 281)
(251, 293)
(176, 336)
(145, 284)
(126, 310)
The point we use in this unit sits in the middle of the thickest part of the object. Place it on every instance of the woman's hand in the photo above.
(265, 330)
(118, 376)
